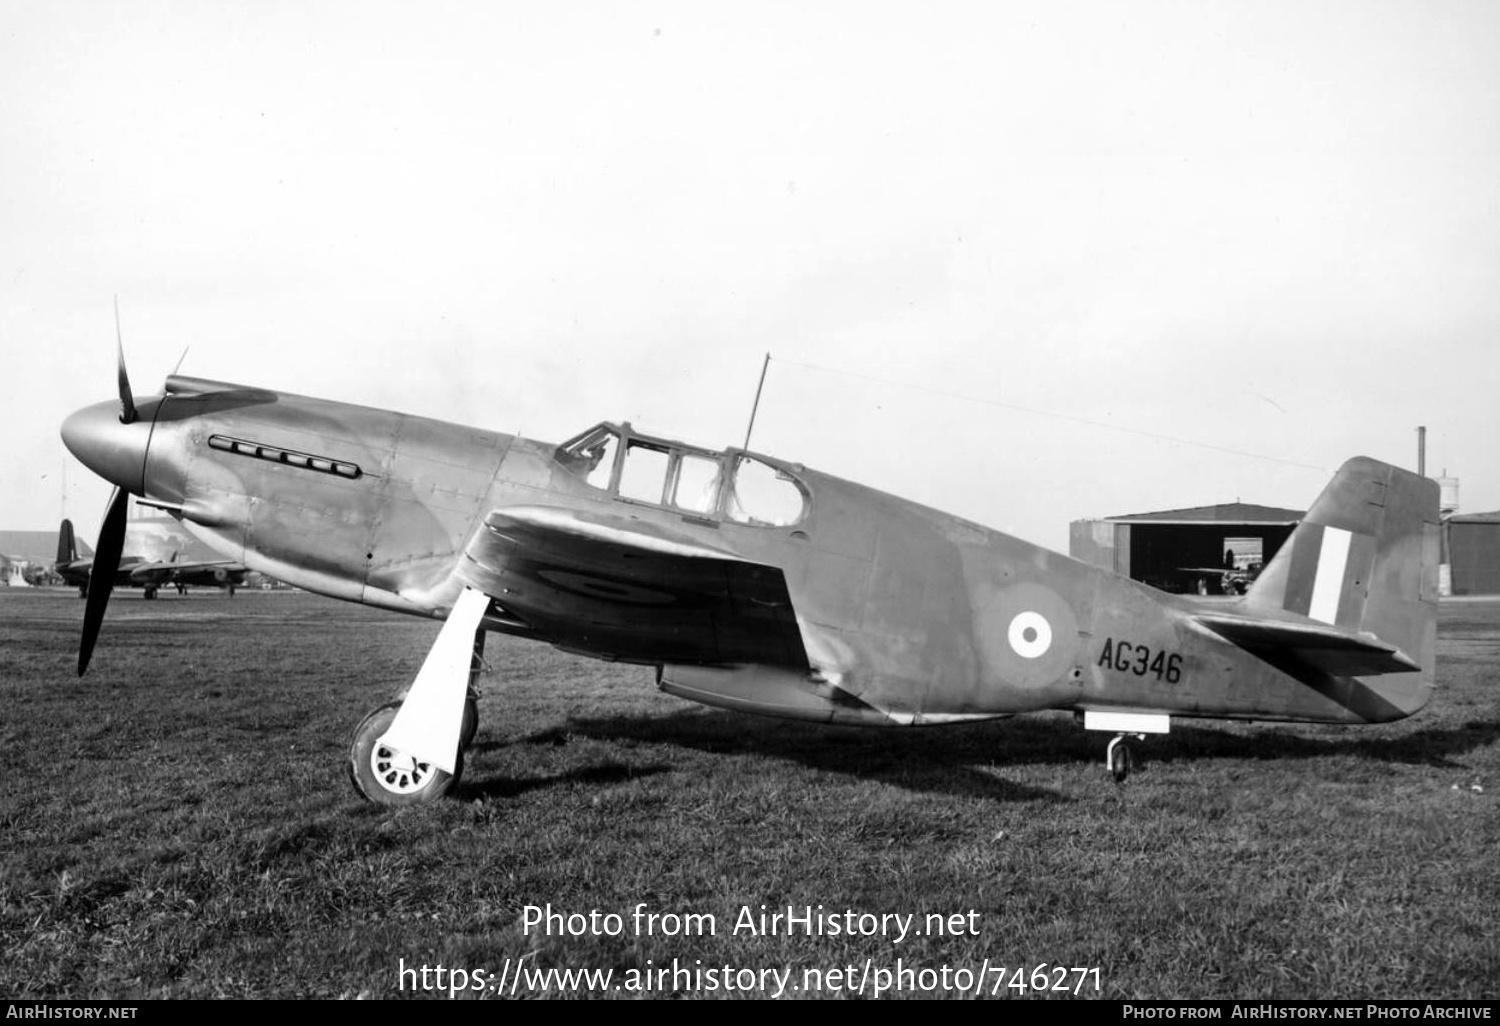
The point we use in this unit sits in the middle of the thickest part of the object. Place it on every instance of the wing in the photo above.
(625, 589)
(208, 572)
(154, 572)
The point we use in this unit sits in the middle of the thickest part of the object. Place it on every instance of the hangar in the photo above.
(1472, 544)
(38, 547)
(1184, 550)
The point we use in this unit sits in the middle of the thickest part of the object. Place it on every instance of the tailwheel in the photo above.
(1117, 757)
(388, 776)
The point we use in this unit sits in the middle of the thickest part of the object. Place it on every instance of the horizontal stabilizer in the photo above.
(1318, 645)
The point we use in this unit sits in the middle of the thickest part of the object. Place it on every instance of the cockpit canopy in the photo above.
(730, 485)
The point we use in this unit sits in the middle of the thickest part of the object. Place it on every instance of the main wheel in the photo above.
(388, 776)
(470, 725)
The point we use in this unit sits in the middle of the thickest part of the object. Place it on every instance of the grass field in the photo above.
(179, 823)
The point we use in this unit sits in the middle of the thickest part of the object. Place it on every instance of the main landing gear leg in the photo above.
(470, 725)
(1117, 756)
(409, 752)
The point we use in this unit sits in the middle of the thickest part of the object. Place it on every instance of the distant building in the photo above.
(1184, 550)
(1472, 544)
(32, 546)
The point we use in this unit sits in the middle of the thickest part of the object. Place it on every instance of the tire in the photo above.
(1119, 762)
(470, 725)
(389, 777)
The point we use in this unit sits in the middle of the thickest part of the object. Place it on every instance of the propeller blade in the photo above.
(102, 574)
(127, 401)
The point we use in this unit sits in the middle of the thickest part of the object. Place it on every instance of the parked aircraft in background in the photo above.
(76, 570)
(227, 574)
(141, 571)
(749, 582)
(1233, 580)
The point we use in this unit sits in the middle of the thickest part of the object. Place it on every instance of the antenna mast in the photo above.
(762, 384)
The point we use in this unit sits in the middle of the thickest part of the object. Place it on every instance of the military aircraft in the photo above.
(141, 572)
(1232, 580)
(77, 570)
(749, 582)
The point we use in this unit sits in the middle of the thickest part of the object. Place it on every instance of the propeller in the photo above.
(112, 531)
(127, 401)
(102, 573)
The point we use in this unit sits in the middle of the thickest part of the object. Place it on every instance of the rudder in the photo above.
(67, 548)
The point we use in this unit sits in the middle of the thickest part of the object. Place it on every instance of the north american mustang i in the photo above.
(749, 582)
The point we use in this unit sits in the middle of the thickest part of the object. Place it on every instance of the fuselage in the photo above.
(919, 615)
(76, 572)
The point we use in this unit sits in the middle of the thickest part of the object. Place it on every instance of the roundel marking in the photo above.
(1030, 634)
(1027, 635)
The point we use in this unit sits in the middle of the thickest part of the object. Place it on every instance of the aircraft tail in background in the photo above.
(67, 548)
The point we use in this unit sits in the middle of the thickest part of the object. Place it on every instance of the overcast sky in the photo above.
(1028, 262)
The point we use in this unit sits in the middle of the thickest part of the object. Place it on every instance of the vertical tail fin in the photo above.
(67, 549)
(1364, 560)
